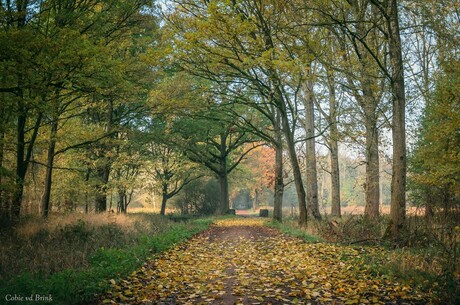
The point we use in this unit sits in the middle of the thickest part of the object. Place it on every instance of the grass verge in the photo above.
(80, 285)
(290, 228)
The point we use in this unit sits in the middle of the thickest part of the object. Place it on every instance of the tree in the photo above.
(213, 140)
(332, 120)
(435, 164)
(171, 171)
(384, 19)
(19, 88)
(395, 72)
(233, 43)
(311, 172)
(432, 51)
(59, 53)
(257, 173)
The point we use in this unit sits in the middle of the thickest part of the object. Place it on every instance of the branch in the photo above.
(59, 167)
(242, 157)
(82, 144)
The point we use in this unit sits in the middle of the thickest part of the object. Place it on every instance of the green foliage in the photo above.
(60, 68)
(435, 163)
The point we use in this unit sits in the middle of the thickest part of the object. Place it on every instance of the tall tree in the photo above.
(332, 119)
(395, 72)
(311, 171)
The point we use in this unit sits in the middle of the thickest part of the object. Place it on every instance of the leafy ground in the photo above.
(240, 261)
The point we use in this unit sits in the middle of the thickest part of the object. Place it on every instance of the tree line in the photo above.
(99, 95)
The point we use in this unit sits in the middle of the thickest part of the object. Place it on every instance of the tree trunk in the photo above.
(372, 187)
(429, 203)
(101, 196)
(249, 203)
(21, 166)
(301, 196)
(87, 174)
(311, 170)
(279, 182)
(224, 200)
(21, 162)
(4, 210)
(398, 180)
(164, 199)
(334, 148)
(23, 156)
(49, 169)
(224, 205)
(103, 172)
(121, 201)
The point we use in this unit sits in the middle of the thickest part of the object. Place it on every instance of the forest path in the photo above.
(239, 261)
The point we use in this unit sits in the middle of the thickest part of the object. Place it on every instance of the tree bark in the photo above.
(21, 166)
(333, 144)
(164, 199)
(311, 169)
(23, 155)
(224, 205)
(398, 180)
(103, 171)
(224, 200)
(279, 181)
(101, 197)
(49, 169)
(301, 196)
(368, 99)
(372, 187)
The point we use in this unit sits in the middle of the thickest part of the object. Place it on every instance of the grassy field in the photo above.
(68, 259)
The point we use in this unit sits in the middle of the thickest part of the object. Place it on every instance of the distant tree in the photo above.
(257, 173)
(170, 170)
(213, 140)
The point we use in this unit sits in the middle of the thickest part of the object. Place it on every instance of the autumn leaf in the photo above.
(240, 261)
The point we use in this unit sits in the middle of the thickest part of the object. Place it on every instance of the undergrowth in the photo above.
(71, 263)
(425, 256)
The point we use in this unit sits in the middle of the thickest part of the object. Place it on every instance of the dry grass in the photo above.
(32, 225)
(68, 241)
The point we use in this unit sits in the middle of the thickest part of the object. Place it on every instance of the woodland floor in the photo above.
(239, 261)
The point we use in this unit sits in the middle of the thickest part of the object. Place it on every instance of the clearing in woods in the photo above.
(239, 261)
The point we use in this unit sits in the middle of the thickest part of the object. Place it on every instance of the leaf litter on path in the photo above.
(239, 261)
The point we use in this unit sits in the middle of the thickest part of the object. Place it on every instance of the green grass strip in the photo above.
(290, 230)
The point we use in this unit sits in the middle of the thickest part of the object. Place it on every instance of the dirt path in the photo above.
(241, 262)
